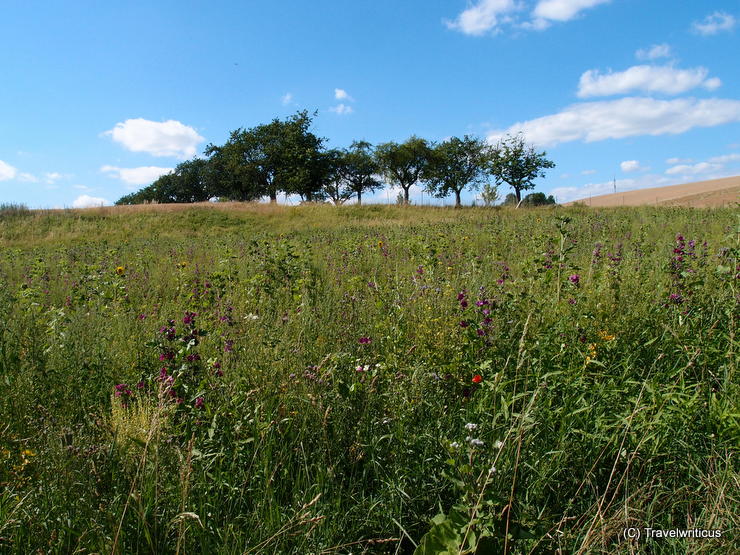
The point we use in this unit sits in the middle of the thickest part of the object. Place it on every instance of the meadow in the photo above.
(376, 379)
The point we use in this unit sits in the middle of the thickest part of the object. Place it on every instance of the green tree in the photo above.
(489, 194)
(280, 156)
(403, 164)
(538, 199)
(514, 162)
(454, 165)
(358, 167)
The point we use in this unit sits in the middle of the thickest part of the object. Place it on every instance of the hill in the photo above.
(710, 193)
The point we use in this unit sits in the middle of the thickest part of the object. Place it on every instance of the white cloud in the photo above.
(625, 117)
(86, 201)
(655, 52)
(7, 172)
(672, 161)
(143, 175)
(167, 138)
(734, 157)
(341, 94)
(694, 170)
(560, 10)
(714, 23)
(52, 177)
(645, 78)
(341, 109)
(588, 172)
(482, 17)
(27, 177)
(82, 187)
(287, 99)
(631, 166)
(711, 168)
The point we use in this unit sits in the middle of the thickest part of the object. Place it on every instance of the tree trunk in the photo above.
(458, 204)
(518, 195)
(359, 198)
(273, 196)
(406, 195)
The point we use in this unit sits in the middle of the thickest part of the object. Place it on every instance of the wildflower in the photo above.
(471, 426)
(498, 445)
(228, 346)
(463, 324)
(120, 270)
(455, 445)
(199, 403)
(574, 279)
(365, 340)
(606, 336)
(474, 442)
(182, 264)
(477, 378)
(189, 318)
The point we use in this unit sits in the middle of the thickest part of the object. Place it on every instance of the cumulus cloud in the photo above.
(287, 99)
(341, 94)
(734, 157)
(672, 161)
(694, 169)
(631, 166)
(341, 109)
(625, 117)
(7, 172)
(655, 52)
(482, 17)
(645, 78)
(588, 172)
(167, 138)
(86, 201)
(714, 23)
(563, 10)
(710, 168)
(143, 175)
(489, 15)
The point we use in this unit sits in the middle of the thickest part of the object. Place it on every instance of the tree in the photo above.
(455, 164)
(334, 187)
(538, 199)
(403, 164)
(517, 164)
(357, 167)
(188, 182)
(489, 194)
(269, 158)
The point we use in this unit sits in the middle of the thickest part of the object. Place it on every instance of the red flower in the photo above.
(477, 378)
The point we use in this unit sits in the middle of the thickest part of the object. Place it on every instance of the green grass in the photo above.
(320, 394)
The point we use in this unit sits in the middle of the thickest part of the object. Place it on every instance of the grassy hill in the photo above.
(267, 379)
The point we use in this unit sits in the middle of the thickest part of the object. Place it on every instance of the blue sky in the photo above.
(99, 98)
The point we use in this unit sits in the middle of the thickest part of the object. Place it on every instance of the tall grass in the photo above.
(367, 379)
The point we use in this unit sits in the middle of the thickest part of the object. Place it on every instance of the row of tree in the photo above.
(287, 157)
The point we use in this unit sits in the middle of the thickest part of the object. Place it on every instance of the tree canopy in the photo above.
(285, 156)
(456, 164)
(518, 164)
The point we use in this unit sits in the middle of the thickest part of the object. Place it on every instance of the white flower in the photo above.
(492, 470)
(474, 442)
(455, 445)
(498, 445)
(470, 426)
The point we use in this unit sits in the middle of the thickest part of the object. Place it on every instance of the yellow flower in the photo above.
(606, 336)
(120, 270)
(182, 264)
